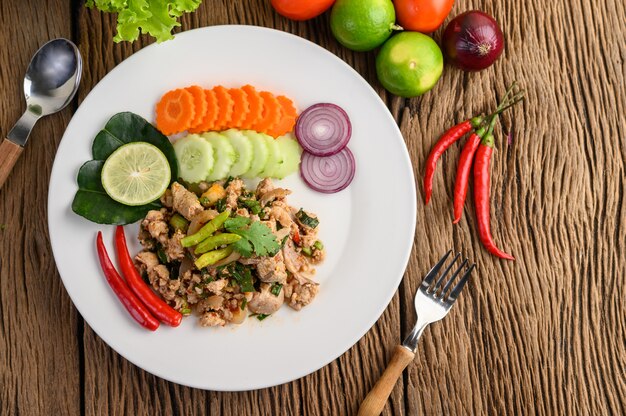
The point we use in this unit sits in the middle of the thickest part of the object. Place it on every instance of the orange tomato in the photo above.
(422, 15)
(301, 9)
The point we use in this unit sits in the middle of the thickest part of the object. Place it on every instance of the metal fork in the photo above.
(432, 303)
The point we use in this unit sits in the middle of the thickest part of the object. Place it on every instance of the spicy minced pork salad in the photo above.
(226, 253)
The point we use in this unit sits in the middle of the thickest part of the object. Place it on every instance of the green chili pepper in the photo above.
(179, 222)
(212, 257)
(206, 231)
(318, 245)
(307, 251)
(215, 241)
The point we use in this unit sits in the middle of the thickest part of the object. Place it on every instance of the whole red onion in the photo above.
(473, 41)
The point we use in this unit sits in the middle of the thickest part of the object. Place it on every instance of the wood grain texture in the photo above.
(543, 335)
(9, 153)
(39, 354)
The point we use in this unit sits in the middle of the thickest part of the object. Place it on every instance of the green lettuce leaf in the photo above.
(156, 18)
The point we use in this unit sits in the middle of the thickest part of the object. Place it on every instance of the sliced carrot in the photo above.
(225, 104)
(256, 107)
(241, 107)
(287, 119)
(175, 112)
(199, 104)
(271, 113)
(208, 121)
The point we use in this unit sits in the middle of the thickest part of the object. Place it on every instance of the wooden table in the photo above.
(545, 334)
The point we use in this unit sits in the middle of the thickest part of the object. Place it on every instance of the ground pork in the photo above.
(299, 295)
(155, 224)
(272, 269)
(212, 319)
(185, 202)
(264, 301)
(173, 249)
(263, 187)
(233, 192)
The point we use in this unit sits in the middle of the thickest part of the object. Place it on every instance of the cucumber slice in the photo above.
(291, 151)
(275, 158)
(195, 158)
(243, 150)
(260, 153)
(224, 155)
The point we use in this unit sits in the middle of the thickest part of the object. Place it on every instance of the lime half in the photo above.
(136, 174)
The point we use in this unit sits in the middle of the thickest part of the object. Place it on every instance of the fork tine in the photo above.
(428, 279)
(445, 273)
(459, 286)
(454, 275)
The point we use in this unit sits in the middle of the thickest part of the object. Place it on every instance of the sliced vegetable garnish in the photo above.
(195, 158)
(210, 116)
(287, 118)
(136, 174)
(271, 113)
(328, 174)
(225, 104)
(241, 107)
(199, 105)
(323, 129)
(175, 111)
(256, 107)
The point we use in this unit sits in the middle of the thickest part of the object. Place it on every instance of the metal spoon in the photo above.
(50, 83)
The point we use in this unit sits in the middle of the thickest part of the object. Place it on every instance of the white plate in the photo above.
(368, 228)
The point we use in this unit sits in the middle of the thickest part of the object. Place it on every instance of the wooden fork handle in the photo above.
(9, 153)
(375, 400)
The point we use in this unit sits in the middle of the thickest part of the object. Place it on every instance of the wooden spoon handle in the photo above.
(9, 153)
(375, 400)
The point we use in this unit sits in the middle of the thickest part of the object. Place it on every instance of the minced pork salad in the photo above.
(227, 253)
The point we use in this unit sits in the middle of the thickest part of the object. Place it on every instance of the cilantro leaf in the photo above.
(236, 223)
(256, 239)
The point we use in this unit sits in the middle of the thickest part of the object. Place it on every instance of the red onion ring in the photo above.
(323, 129)
(328, 174)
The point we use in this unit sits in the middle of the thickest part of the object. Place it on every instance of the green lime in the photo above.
(409, 64)
(362, 25)
(136, 173)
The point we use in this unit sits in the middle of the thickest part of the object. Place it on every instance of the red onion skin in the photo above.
(473, 41)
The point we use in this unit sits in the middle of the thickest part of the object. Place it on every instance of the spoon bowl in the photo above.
(53, 76)
(51, 81)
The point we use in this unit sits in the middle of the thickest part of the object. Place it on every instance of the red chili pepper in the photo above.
(452, 135)
(155, 304)
(463, 173)
(481, 197)
(132, 304)
(296, 237)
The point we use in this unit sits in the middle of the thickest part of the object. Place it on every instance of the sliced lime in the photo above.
(136, 174)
